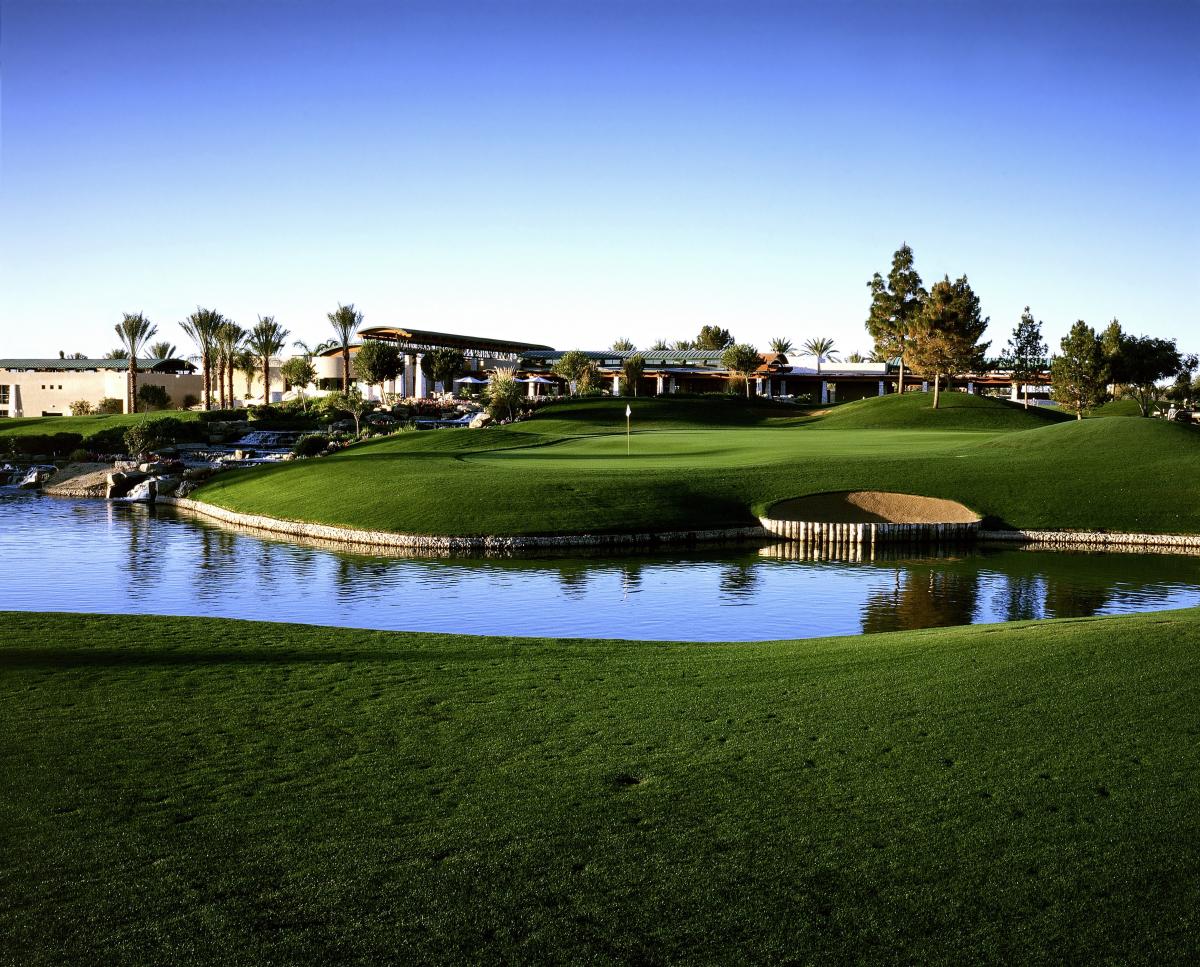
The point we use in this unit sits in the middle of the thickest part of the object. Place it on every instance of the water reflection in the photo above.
(921, 596)
(93, 556)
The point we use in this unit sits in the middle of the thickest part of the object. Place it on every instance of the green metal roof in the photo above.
(83, 365)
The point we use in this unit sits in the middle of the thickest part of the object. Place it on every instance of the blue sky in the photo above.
(572, 172)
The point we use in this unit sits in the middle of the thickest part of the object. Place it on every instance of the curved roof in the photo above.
(428, 339)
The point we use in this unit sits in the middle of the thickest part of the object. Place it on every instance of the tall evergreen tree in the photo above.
(713, 338)
(944, 338)
(1025, 356)
(895, 305)
(1078, 373)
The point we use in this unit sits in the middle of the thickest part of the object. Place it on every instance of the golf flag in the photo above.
(628, 414)
(628, 411)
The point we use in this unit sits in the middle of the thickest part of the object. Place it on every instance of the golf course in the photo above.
(234, 792)
(222, 791)
(718, 463)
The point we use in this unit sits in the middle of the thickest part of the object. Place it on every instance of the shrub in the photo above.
(310, 446)
(143, 437)
(78, 455)
(64, 443)
(190, 400)
(111, 440)
(110, 405)
(82, 408)
(223, 416)
(153, 396)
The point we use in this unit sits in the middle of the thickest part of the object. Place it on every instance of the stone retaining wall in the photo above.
(821, 534)
(352, 535)
(1093, 540)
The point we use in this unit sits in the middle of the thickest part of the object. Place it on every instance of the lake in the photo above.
(75, 555)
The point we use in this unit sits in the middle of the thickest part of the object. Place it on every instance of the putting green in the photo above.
(710, 464)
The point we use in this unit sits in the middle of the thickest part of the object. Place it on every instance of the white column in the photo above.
(673, 386)
(971, 388)
(882, 391)
(925, 386)
(824, 392)
(410, 368)
(616, 390)
(758, 388)
(421, 389)
(531, 389)
(660, 388)
(1015, 395)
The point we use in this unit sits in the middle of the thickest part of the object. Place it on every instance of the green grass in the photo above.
(712, 463)
(86, 425)
(192, 790)
(957, 411)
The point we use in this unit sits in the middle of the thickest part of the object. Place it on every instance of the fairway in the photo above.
(699, 464)
(219, 791)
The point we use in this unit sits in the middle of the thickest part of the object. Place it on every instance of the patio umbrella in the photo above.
(471, 379)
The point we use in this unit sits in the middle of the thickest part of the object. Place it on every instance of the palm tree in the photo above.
(822, 348)
(623, 345)
(201, 327)
(782, 345)
(228, 341)
(133, 331)
(660, 346)
(345, 323)
(265, 340)
(162, 350)
(247, 365)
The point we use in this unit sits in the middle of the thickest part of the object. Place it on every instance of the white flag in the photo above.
(628, 411)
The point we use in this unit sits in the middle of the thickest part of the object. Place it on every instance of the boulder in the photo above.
(121, 482)
(480, 420)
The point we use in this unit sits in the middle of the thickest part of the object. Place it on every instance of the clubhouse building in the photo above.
(664, 372)
(48, 387)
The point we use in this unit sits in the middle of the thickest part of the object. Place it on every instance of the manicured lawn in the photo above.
(86, 425)
(700, 463)
(190, 790)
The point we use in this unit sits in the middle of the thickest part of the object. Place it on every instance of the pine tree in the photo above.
(1025, 356)
(895, 305)
(944, 339)
(1079, 373)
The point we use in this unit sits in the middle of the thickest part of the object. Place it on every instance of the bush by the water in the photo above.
(223, 416)
(152, 434)
(110, 406)
(47, 444)
(310, 446)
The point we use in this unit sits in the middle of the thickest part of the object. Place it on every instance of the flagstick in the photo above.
(628, 415)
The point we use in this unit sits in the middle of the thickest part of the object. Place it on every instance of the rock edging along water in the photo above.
(821, 533)
(433, 542)
(1083, 540)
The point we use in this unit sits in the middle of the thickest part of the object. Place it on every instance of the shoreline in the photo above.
(435, 542)
(1047, 539)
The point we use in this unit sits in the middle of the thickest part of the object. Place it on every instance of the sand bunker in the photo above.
(872, 507)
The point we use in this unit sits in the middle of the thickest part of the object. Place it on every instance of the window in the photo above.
(4, 394)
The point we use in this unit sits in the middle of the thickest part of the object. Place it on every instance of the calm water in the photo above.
(70, 555)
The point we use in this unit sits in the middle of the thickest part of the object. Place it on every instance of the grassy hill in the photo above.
(86, 425)
(191, 790)
(956, 411)
(688, 467)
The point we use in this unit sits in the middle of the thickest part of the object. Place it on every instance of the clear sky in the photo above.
(575, 171)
